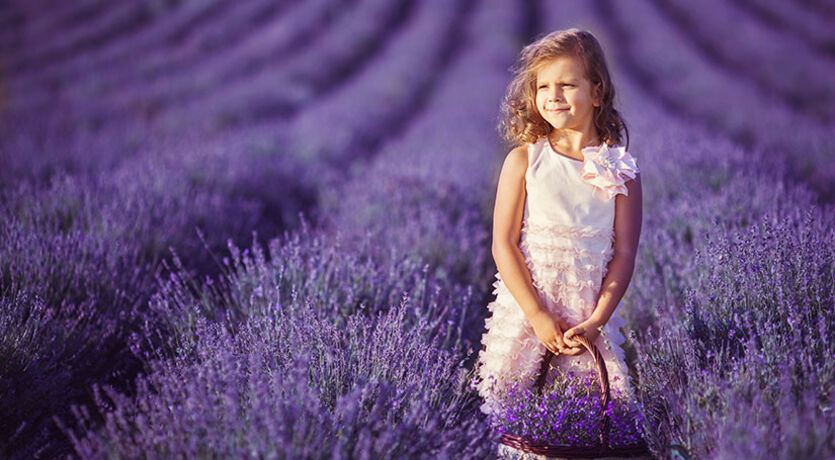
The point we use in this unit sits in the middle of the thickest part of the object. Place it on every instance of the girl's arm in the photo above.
(619, 273)
(627, 233)
(507, 224)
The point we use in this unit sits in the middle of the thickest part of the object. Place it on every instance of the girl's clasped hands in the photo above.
(557, 335)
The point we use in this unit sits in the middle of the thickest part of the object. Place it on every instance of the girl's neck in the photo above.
(572, 145)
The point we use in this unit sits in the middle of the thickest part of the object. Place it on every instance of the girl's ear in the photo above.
(596, 94)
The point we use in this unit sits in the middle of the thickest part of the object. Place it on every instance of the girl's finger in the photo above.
(574, 351)
(569, 337)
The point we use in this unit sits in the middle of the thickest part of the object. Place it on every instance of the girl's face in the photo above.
(564, 95)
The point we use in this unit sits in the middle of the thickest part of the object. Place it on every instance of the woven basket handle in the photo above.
(602, 373)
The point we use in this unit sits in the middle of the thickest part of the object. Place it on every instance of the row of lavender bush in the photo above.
(254, 65)
(45, 130)
(180, 34)
(106, 23)
(727, 35)
(797, 19)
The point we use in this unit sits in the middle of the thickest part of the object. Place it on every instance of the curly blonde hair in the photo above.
(520, 121)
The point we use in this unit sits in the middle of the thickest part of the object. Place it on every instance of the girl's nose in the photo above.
(555, 96)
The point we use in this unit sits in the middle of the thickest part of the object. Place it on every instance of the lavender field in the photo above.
(261, 229)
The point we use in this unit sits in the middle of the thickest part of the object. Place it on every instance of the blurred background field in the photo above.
(261, 229)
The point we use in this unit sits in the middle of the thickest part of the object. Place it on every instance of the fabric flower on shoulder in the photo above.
(608, 168)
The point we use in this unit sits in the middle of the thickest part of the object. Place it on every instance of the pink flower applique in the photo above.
(608, 168)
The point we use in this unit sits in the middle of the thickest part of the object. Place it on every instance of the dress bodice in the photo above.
(558, 194)
(568, 223)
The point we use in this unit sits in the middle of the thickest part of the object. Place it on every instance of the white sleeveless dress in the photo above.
(567, 240)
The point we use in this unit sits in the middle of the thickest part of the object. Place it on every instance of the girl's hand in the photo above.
(548, 329)
(586, 328)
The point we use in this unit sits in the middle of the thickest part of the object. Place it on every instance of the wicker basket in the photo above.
(603, 449)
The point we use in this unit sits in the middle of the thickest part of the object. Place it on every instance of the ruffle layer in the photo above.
(562, 230)
(565, 299)
(564, 261)
(511, 352)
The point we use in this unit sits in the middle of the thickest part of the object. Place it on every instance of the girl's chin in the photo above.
(557, 124)
(556, 118)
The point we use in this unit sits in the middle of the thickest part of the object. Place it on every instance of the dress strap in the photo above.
(535, 150)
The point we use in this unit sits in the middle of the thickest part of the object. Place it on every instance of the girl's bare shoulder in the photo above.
(516, 162)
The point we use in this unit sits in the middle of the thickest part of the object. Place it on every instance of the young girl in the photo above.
(566, 221)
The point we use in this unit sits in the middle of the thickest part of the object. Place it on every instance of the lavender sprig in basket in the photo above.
(572, 419)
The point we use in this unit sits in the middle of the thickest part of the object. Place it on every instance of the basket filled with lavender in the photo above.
(574, 417)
